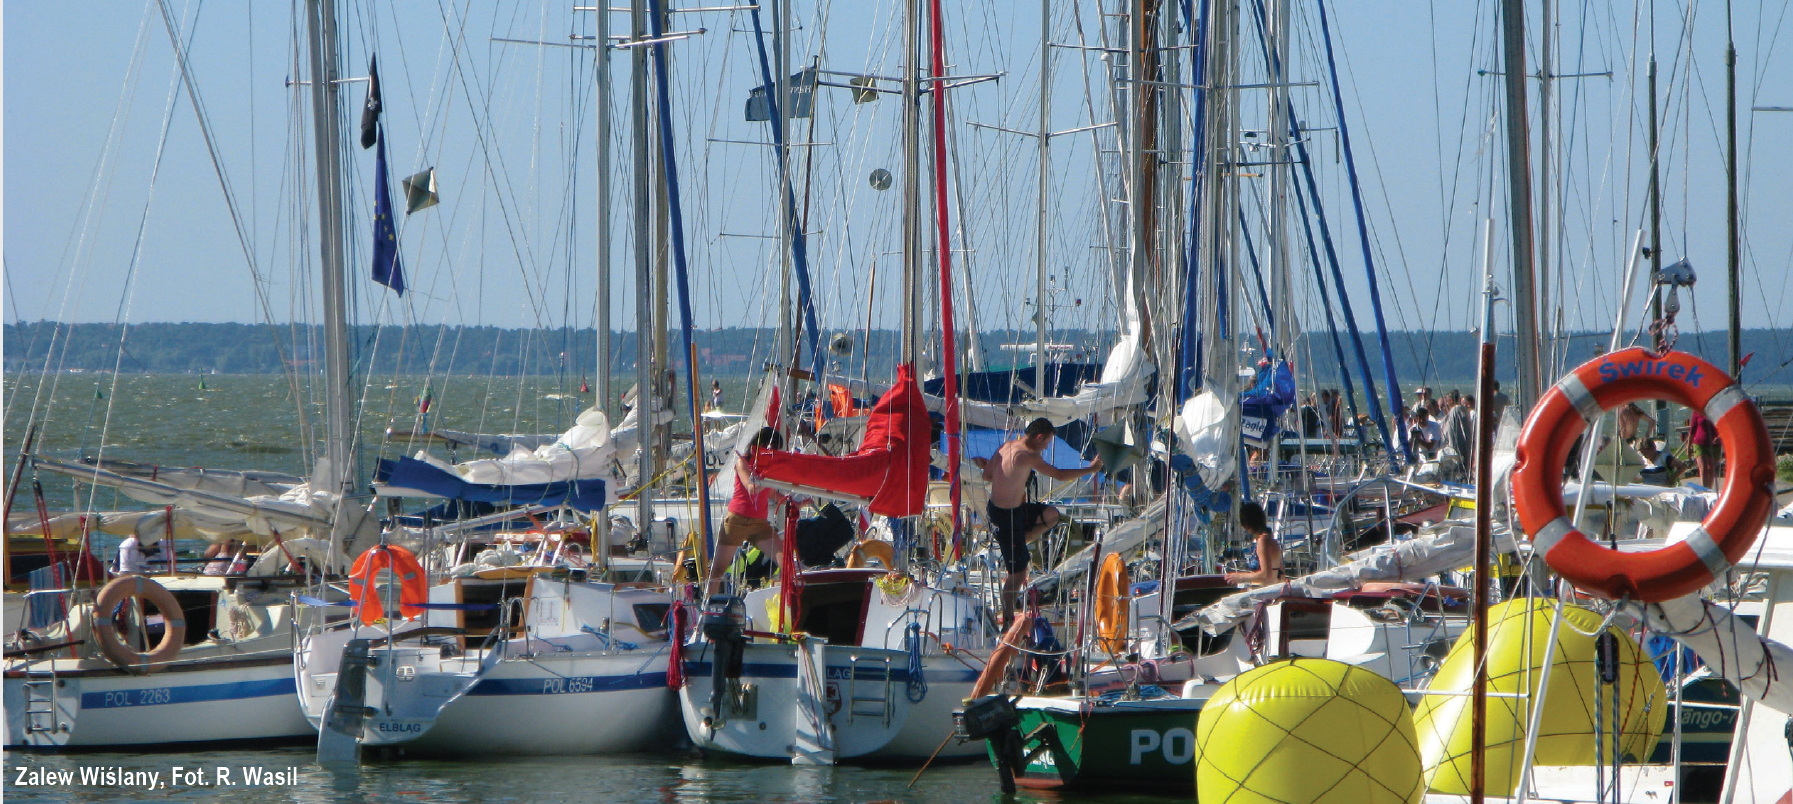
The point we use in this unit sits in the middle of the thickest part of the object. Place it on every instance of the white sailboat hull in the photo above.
(561, 704)
(96, 708)
(872, 715)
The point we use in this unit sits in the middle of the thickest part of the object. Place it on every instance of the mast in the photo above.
(1655, 199)
(1484, 542)
(784, 345)
(1546, 81)
(339, 473)
(1282, 336)
(1525, 308)
(601, 522)
(912, 246)
(1170, 186)
(603, 234)
(1142, 195)
(1045, 137)
(1733, 257)
(644, 275)
(948, 354)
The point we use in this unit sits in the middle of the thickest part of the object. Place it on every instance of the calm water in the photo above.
(644, 778)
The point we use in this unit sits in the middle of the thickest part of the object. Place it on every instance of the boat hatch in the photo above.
(1303, 627)
(651, 618)
(836, 611)
(199, 607)
(480, 622)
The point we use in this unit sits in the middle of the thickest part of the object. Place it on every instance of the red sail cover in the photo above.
(891, 466)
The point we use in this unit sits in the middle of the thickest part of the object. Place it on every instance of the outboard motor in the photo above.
(993, 718)
(724, 624)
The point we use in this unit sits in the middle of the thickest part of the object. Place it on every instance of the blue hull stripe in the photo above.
(197, 693)
(862, 673)
(563, 685)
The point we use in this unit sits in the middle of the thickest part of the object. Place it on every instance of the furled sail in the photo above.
(1125, 382)
(213, 514)
(572, 470)
(1448, 548)
(581, 452)
(890, 468)
(199, 478)
(1201, 428)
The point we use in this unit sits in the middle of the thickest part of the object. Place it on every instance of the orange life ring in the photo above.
(990, 680)
(105, 623)
(1602, 384)
(365, 583)
(1111, 604)
(867, 551)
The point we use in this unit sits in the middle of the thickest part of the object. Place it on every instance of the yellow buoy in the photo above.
(1313, 731)
(1518, 632)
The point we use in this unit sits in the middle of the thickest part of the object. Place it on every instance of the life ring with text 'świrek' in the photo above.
(1607, 382)
(379, 569)
(145, 591)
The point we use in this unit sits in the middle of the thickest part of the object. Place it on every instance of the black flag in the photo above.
(370, 112)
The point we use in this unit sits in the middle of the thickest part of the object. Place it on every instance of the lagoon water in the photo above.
(253, 421)
(643, 779)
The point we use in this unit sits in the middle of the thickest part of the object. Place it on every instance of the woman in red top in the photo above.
(748, 513)
(1704, 437)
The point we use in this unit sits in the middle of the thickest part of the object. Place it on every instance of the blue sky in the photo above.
(510, 132)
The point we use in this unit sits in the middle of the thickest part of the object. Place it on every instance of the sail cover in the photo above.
(409, 477)
(1445, 547)
(1125, 381)
(890, 467)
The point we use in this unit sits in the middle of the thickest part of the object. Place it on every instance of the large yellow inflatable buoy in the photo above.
(1313, 731)
(1518, 632)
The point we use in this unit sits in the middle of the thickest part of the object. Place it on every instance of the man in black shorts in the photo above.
(1013, 520)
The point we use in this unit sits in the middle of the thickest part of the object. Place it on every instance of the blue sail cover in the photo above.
(412, 474)
(985, 443)
(1266, 401)
(1003, 387)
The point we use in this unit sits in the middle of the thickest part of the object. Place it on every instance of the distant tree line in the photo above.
(169, 348)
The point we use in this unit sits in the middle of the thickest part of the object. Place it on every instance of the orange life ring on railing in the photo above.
(365, 582)
(1112, 604)
(990, 680)
(865, 552)
(105, 623)
(1602, 384)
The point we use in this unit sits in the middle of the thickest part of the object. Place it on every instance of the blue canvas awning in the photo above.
(409, 477)
(984, 443)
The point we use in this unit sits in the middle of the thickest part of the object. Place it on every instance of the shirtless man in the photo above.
(1013, 520)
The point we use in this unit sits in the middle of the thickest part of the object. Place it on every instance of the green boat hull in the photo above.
(1113, 747)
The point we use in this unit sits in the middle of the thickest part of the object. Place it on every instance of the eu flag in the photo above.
(387, 270)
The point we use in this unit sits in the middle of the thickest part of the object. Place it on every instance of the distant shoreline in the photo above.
(1440, 358)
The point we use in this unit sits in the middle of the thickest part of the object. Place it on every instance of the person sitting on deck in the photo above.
(1013, 520)
(130, 557)
(218, 557)
(1266, 552)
